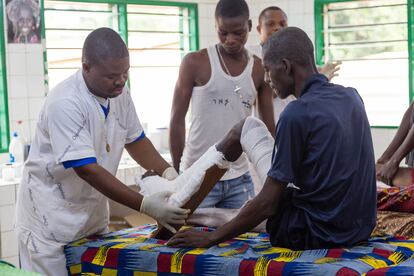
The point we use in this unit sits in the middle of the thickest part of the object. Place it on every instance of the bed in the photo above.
(133, 252)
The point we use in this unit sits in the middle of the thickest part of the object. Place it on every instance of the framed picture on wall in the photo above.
(23, 21)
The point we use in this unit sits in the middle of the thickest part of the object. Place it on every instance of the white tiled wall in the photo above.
(25, 62)
(25, 87)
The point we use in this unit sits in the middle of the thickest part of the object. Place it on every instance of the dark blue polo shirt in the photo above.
(323, 145)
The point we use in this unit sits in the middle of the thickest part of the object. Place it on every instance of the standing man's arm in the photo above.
(181, 101)
(399, 137)
(265, 101)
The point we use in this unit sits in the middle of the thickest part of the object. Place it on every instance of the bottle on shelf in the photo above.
(16, 154)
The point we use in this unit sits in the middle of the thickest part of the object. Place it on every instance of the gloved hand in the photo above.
(157, 207)
(169, 173)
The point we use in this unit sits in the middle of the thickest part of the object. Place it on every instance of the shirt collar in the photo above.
(102, 101)
(313, 80)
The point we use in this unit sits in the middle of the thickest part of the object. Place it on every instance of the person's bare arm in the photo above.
(145, 154)
(387, 172)
(109, 185)
(181, 101)
(263, 206)
(399, 137)
(265, 102)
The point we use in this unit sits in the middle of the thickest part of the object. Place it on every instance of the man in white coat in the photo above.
(86, 122)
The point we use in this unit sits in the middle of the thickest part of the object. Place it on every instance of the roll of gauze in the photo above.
(257, 143)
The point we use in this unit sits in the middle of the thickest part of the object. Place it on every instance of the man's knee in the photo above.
(230, 145)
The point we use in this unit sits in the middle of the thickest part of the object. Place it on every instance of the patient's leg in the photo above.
(185, 185)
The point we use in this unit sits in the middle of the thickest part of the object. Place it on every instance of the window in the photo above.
(371, 38)
(4, 114)
(158, 35)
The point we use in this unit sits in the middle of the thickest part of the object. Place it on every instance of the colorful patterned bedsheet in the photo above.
(132, 252)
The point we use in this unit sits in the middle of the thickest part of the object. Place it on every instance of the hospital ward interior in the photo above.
(206, 137)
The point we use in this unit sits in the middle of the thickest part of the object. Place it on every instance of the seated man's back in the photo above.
(324, 147)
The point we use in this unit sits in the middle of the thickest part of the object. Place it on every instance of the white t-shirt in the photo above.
(53, 202)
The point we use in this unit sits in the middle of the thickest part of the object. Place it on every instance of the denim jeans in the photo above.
(230, 194)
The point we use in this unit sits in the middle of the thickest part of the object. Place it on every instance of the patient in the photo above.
(324, 148)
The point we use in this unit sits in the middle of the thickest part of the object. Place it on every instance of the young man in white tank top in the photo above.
(222, 83)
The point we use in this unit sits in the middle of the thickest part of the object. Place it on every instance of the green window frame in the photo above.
(181, 37)
(323, 30)
(4, 110)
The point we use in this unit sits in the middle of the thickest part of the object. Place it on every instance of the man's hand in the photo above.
(157, 207)
(386, 172)
(330, 69)
(191, 238)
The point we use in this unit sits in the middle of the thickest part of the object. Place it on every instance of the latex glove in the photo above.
(170, 174)
(157, 207)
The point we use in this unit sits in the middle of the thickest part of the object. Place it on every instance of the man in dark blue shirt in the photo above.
(323, 145)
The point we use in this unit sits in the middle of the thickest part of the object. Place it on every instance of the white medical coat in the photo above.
(54, 204)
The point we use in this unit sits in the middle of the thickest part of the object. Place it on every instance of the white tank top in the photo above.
(215, 109)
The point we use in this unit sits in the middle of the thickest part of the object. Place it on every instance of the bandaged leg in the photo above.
(257, 143)
(189, 182)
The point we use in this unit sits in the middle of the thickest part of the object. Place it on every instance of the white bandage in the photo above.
(170, 173)
(258, 144)
(186, 184)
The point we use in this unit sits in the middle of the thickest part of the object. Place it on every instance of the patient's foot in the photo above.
(230, 145)
(403, 177)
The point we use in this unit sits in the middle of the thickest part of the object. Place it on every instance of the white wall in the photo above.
(25, 63)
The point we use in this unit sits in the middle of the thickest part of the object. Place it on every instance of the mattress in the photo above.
(133, 252)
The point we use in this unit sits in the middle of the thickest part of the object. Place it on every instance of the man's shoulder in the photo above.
(66, 94)
(65, 88)
(196, 58)
(294, 110)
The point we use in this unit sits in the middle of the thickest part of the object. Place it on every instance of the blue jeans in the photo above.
(230, 194)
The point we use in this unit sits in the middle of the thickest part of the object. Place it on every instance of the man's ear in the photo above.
(259, 29)
(249, 22)
(86, 66)
(287, 66)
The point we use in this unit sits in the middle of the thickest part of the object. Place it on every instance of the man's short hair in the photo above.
(101, 44)
(271, 8)
(232, 8)
(291, 43)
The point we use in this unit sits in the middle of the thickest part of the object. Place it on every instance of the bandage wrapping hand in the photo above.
(157, 207)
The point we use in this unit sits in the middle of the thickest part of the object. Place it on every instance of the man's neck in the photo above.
(301, 79)
(236, 56)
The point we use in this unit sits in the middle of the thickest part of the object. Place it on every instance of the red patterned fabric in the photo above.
(396, 199)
